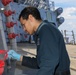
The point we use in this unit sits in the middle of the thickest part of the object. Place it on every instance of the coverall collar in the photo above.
(38, 29)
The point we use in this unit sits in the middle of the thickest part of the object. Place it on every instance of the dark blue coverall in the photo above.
(52, 57)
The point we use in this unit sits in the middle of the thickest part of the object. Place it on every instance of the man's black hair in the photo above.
(30, 11)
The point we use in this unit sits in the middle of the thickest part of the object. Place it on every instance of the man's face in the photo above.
(27, 25)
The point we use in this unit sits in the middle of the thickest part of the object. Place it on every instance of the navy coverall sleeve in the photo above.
(48, 52)
(30, 62)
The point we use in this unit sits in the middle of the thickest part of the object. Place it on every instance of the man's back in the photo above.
(64, 61)
(51, 50)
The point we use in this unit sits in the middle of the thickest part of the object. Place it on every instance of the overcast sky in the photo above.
(69, 13)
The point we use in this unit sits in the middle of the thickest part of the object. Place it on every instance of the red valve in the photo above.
(6, 2)
(1, 68)
(9, 12)
(2, 63)
(10, 24)
(12, 35)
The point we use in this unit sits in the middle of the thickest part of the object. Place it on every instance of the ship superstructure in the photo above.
(46, 8)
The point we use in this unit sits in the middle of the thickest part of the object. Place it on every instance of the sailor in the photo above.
(52, 57)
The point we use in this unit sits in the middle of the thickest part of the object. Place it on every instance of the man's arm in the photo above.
(30, 62)
(23, 60)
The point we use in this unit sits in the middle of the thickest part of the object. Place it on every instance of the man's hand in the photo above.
(14, 55)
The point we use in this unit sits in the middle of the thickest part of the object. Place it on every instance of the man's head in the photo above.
(30, 19)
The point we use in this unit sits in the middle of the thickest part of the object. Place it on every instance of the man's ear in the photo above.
(31, 17)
